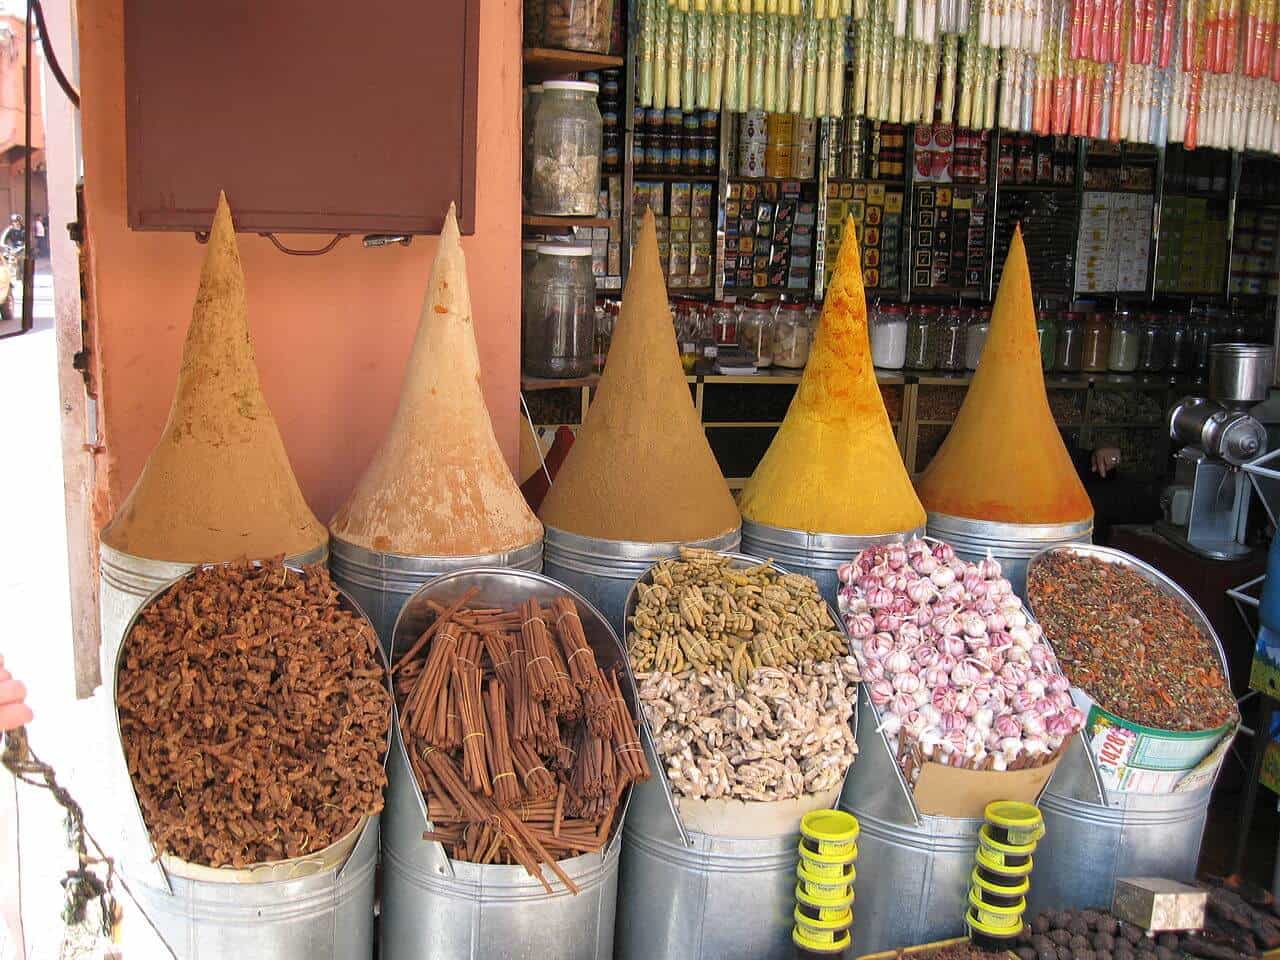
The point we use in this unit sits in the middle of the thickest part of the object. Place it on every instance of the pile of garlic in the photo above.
(783, 734)
(959, 673)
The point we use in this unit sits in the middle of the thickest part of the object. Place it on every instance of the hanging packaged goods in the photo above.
(1144, 71)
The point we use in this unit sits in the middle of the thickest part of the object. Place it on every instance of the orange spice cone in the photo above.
(641, 468)
(218, 485)
(1004, 459)
(439, 485)
(834, 466)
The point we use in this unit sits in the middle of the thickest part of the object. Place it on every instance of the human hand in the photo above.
(14, 711)
(1104, 459)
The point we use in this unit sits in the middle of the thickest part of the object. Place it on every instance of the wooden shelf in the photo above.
(566, 223)
(666, 177)
(800, 180)
(1036, 188)
(543, 63)
(538, 383)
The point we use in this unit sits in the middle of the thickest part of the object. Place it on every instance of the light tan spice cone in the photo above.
(438, 485)
(218, 485)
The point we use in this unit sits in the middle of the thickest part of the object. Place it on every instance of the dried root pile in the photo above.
(521, 744)
(746, 680)
(254, 713)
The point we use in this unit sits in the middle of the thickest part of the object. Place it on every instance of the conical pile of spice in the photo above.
(218, 485)
(438, 485)
(1004, 459)
(834, 465)
(641, 468)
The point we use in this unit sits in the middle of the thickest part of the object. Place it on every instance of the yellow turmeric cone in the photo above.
(439, 486)
(218, 484)
(641, 468)
(1004, 459)
(834, 466)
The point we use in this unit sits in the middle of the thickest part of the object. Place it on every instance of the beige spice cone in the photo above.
(218, 485)
(641, 468)
(439, 485)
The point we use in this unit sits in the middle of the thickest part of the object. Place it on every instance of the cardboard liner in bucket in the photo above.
(138, 836)
(497, 586)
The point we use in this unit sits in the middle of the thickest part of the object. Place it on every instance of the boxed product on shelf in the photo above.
(949, 239)
(683, 212)
(1114, 242)
(876, 210)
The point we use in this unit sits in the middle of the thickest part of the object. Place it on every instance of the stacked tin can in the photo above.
(824, 893)
(1001, 876)
(753, 143)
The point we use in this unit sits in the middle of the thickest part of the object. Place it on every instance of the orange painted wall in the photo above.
(332, 333)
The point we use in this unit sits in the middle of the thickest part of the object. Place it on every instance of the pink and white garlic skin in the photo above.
(951, 658)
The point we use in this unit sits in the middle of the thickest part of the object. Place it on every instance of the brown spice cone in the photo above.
(641, 468)
(438, 485)
(218, 485)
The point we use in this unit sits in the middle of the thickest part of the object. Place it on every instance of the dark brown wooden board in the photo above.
(321, 117)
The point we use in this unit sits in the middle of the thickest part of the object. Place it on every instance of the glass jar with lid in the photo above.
(755, 332)
(532, 97)
(921, 331)
(606, 318)
(1047, 332)
(1122, 355)
(724, 323)
(1097, 342)
(559, 313)
(950, 337)
(975, 337)
(567, 132)
(585, 25)
(888, 336)
(1177, 340)
(1068, 353)
(688, 333)
(1151, 344)
(1202, 339)
(792, 336)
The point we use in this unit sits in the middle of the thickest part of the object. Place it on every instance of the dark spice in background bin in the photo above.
(254, 714)
(1128, 645)
(956, 951)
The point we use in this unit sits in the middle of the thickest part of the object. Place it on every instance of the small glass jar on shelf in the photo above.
(975, 337)
(724, 323)
(583, 25)
(1047, 333)
(888, 336)
(1068, 354)
(950, 340)
(559, 313)
(1151, 344)
(755, 332)
(689, 333)
(921, 334)
(1097, 342)
(564, 178)
(792, 336)
(1177, 344)
(1122, 355)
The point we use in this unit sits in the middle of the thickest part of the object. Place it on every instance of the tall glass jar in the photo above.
(975, 338)
(1151, 344)
(567, 132)
(578, 24)
(792, 336)
(1177, 344)
(689, 334)
(1122, 355)
(755, 332)
(888, 336)
(559, 313)
(724, 323)
(606, 317)
(1047, 331)
(1068, 354)
(1202, 339)
(532, 98)
(950, 339)
(920, 338)
(1097, 341)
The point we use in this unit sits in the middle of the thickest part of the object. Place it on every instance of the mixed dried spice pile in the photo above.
(522, 745)
(254, 713)
(1130, 646)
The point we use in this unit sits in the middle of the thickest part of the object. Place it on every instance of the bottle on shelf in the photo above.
(1047, 331)
(1068, 354)
(1122, 355)
(975, 337)
(950, 338)
(1151, 344)
(559, 313)
(1097, 341)
(921, 328)
(888, 336)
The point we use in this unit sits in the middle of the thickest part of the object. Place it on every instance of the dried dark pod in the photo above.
(1165, 952)
(1131, 933)
(1079, 943)
(1042, 942)
(1040, 923)
(1105, 955)
(1064, 953)
(1026, 953)
(1060, 936)
(1062, 918)
(1104, 941)
(1089, 916)
(1079, 926)
(1167, 940)
(1051, 953)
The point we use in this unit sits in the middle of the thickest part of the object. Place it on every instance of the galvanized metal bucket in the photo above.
(816, 555)
(434, 906)
(1095, 835)
(126, 582)
(1013, 544)
(917, 866)
(298, 909)
(382, 582)
(695, 895)
(604, 570)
